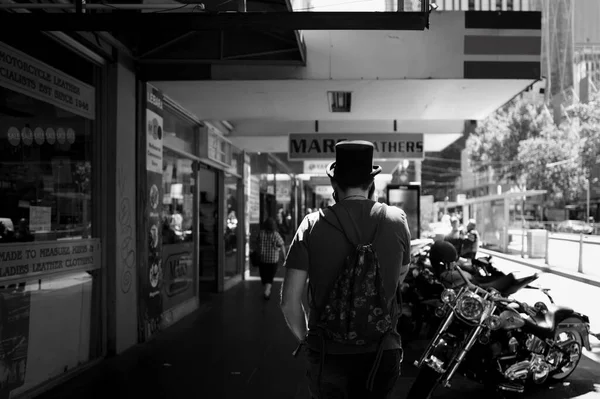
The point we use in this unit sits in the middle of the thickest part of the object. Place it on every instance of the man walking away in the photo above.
(354, 255)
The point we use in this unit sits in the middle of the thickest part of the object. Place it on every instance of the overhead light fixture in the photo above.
(340, 101)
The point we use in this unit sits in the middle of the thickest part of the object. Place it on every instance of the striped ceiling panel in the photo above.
(505, 45)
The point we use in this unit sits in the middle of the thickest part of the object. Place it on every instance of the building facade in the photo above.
(120, 209)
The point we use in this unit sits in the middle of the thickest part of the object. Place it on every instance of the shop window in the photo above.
(179, 271)
(232, 226)
(178, 198)
(233, 213)
(209, 224)
(45, 171)
(50, 274)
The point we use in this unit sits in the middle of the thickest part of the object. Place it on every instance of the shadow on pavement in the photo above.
(238, 346)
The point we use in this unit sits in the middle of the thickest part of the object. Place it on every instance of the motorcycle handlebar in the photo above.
(526, 308)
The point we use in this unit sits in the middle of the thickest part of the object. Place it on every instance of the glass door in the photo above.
(232, 265)
(179, 271)
(209, 226)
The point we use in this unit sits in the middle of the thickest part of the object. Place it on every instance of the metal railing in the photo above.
(575, 252)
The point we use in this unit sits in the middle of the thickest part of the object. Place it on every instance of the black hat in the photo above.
(353, 163)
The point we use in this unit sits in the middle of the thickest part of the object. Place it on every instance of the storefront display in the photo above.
(234, 209)
(177, 230)
(50, 257)
(231, 227)
(209, 225)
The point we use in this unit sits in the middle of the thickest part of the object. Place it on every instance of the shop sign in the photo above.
(254, 200)
(154, 130)
(215, 147)
(308, 146)
(324, 191)
(316, 167)
(320, 181)
(39, 259)
(40, 218)
(151, 272)
(24, 74)
(179, 271)
(284, 191)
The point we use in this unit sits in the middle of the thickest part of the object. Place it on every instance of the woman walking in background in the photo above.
(269, 245)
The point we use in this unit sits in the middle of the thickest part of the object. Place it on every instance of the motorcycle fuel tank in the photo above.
(511, 320)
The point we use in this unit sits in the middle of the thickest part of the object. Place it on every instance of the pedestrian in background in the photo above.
(471, 241)
(269, 244)
(456, 236)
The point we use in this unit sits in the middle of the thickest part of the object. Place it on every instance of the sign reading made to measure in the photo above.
(307, 146)
(36, 259)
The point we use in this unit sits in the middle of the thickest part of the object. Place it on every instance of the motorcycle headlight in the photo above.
(470, 307)
(448, 295)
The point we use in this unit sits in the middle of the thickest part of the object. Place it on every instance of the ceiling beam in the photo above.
(261, 54)
(169, 43)
(116, 21)
(224, 61)
(187, 72)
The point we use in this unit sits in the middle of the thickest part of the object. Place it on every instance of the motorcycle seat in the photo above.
(506, 284)
(545, 322)
(484, 261)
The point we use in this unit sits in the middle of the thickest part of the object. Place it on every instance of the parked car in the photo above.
(574, 226)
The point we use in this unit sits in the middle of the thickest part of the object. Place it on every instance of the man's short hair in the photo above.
(363, 186)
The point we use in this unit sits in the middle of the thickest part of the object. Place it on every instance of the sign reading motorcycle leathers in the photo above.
(24, 74)
(307, 146)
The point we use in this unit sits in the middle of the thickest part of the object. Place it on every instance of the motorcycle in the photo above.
(419, 293)
(482, 272)
(424, 284)
(498, 341)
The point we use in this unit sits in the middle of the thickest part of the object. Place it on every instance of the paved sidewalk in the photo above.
(238, 346)
(541, 265)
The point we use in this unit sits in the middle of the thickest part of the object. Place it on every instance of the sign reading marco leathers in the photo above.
(306, 146)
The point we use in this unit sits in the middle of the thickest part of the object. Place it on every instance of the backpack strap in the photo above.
(341, 228)
(382, 213)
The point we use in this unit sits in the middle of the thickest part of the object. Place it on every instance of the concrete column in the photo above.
(121, 199)
(418, 163)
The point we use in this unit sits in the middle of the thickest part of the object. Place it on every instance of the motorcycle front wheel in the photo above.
(570, 340)
(425, 384)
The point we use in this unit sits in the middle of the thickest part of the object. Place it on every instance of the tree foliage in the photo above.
(585, 119)
(495, 143)
(519, 140)
(563, 182)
